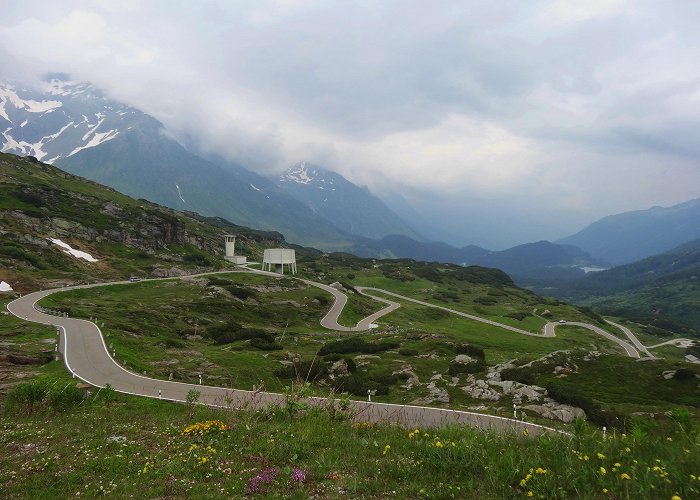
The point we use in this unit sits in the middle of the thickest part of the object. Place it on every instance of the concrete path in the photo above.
(548, 330)
(677, 342)
(87, 358)
(637, 344)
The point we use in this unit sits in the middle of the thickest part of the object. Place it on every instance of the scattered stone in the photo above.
(479, 389)
(562, 370)
(339, 368)
(668, 374)
(116, 439)
(413, 380)
(463, 359)
(435, 395)
(557, 411)
(429, 355)
(494, 372)
(287, 302)
(545, 358)
(592, 355)
(338, 287)
(363, 359)
(161, 272)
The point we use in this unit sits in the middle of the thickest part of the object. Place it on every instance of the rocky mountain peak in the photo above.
(59, 118)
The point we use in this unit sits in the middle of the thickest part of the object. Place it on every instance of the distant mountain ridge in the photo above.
(527, 264)
(631, 236)
(353, 209)
(660, 289)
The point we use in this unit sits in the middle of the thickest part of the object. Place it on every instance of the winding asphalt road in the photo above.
(548, 330)
(86, 356)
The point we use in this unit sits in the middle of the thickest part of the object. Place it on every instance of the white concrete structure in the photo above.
(277, 258)
(231, 250)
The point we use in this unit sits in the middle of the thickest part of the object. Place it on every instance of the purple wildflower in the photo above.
(266, 476)
(298, 476)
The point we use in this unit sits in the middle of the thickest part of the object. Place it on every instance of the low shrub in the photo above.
(485, 301)
(522, 375)
(684, 374)
(473, 367)
(470, 349)
(264, 344)
(357, 344)
(240, 292)
(519, 315)
(408, 352)
(304, 370)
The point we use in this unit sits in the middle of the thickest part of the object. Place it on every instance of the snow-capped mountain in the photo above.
(352, 208)
(59, 119)
(74, 126)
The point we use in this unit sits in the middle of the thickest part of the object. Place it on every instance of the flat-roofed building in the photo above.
(276, 258)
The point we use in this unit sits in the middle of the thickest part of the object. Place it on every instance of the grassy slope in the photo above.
(127, 446)
(151, 326)
(128, 236)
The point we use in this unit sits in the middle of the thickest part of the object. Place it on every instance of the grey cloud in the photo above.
(586, 90)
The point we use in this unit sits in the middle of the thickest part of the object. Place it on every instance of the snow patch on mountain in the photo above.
(3, 114)
(96, 140)
(256, 188)
(179, 193)
(9, 94)
(85, 118)
(301, 173)
(78, 254)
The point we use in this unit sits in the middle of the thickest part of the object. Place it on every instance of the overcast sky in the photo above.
(504, 121)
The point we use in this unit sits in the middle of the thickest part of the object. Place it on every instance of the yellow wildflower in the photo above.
(618, 464)
(523, 482)
(669, 439)
(600, 456)
(603, 471)
(628, 450)
(624, 476)
(530, 493)
(525, 433)
(540, 470)
(386, 449)
(605, 490)
(585, 457)
(676, 497)
(438, 444)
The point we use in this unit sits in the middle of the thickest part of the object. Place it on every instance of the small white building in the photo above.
(276, 258)
(231, 250)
